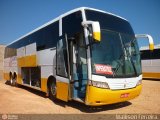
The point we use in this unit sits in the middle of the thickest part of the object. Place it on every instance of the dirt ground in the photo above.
(23, 100)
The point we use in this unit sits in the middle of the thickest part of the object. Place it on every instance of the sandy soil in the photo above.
(24, 100)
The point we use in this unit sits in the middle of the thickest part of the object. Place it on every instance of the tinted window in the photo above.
(110, 55)
(10, 52)
(72, 24)
(46, 37)
(109, 22)
(147, 54)
(62, 63)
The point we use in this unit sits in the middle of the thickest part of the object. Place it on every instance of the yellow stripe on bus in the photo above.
(6, 76)
(27, 61)
(62, 90)
(44, 84)
(19, 79)
(151, 75)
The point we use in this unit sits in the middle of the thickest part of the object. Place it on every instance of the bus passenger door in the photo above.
(62, 66)
(78, 67)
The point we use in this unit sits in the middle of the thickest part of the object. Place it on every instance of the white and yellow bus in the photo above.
(86, 55)
(150, 62)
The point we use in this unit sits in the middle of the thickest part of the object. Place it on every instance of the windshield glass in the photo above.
(117, 55)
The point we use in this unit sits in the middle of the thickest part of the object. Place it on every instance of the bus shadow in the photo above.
(31, 90)
(34, 91)
(77, 105)
(91, 109)
(7, 82)
(151, 79)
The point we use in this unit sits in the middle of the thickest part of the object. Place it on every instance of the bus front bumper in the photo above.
(99, 96)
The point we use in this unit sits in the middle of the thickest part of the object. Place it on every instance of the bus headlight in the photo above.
(98, 84)
(139, 82)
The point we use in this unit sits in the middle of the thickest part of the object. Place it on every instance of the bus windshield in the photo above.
(117, 55)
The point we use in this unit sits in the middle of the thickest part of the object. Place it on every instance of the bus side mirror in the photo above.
(151, 43)
(96, 31)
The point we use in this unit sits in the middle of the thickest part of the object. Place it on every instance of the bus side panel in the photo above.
(46, 72)
(151, 68)
(44, 84)
(10, 66)
(151, 75)
(27, 61)
(31, 57)
(6, 76)
(6, 69)
(62, 90)
(26, 56)
(19, 77)
(46, 59)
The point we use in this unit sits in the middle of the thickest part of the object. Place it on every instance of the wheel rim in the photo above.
(14, 81)
(11, 81)
(53, 89)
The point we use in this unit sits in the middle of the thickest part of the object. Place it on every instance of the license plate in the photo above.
(124, 95)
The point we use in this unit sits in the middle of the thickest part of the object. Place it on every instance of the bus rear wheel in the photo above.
(14, 80)
(52, 90)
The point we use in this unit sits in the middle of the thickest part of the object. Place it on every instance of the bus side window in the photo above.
(62, 59)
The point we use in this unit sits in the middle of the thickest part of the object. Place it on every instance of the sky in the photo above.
(18, 17)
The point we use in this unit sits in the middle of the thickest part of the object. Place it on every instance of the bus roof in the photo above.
(61, 16)
(147, 47)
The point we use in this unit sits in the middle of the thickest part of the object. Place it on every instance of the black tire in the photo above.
(10, 78)
(14, 81)
(52, 90)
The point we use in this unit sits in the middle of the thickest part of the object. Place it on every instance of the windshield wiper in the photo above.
(120, 63)
(130, 56)
(127, 55)
(123, 55)
(129, 45)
